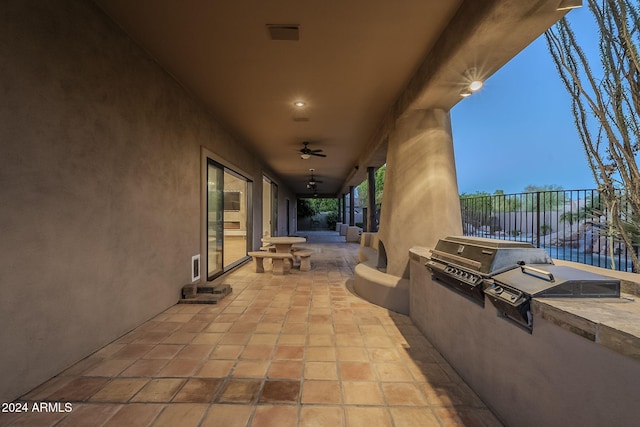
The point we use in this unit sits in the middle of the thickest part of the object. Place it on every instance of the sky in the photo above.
(518, 130)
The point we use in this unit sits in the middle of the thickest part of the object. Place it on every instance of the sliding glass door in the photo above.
(228, 218)
(215, 221)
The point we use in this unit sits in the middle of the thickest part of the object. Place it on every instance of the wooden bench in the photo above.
(276, 258)
(305, 258)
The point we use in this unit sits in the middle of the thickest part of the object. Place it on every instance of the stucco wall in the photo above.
(99, 183)
(420, 203)
(551, 377)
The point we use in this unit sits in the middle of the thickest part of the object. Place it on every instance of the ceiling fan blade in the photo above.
(317, 150)
(318, 154)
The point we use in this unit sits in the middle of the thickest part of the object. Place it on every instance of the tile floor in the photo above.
(293, 350)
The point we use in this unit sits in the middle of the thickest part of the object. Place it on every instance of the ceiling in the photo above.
(357, 65)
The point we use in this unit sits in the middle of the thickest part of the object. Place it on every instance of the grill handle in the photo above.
(536, 272)
(456, 258)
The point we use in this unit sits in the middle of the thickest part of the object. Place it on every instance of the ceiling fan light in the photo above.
(305, 156)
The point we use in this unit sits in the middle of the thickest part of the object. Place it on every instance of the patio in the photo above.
(299, 349)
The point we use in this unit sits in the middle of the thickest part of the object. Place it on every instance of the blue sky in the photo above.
(518, 130)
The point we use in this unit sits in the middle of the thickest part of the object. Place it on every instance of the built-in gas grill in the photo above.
(510, 274)
(462, 263)
(511, 291)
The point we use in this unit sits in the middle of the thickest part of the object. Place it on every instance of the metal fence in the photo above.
(571, 225)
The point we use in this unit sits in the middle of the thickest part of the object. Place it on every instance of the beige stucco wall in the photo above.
(99, 186)
(420, 203)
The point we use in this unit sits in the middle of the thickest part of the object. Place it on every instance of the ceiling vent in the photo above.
(284, 32)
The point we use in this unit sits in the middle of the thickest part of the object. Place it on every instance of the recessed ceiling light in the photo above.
(299, 104)
(465, 93)
(475, 85)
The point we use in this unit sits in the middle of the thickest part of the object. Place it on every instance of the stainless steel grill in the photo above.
(510, 274)
(511, 292)
(462, 263)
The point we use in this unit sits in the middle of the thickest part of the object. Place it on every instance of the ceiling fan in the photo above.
(313, 181)
(306, 152)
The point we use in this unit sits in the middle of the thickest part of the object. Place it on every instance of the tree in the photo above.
(606, 108)
(363, 188)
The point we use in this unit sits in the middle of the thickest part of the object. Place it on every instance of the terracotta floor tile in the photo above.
(362, 393)
(219, 327)
(395, 372)
(194, 326)
(109, 368)
(265, 327)
(285, 369)
(135, 415)
(228, 415)
(235, 339)
(356, 371)
(321, 392)
(275, 349)
(88, 415)
(239, 391)
(47, 388)
(367, 417)
(349, 340)
(384, 355)
(144, 368)
(280, 392)
(326, 329)
(294, 328)
(159, 390)
(257, 352)
(164, 351)
(207, 338)
(78, 390)
(184, 415)
(321, 416)
(243, 327)
(321, 370)
(265, 339)
(275, 416)
(415, 417)
(320, 354)
(353, 354)
(250, 369)
(224, 351)
(132, 351)
(289, 352)
(406, 394)
(292, 339)
(119, 390)
(179, 338)
(195, 351)
(180, 368)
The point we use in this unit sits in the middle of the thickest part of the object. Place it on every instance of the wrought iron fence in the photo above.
(571, 225)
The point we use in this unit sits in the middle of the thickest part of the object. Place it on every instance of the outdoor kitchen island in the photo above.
(578, 365)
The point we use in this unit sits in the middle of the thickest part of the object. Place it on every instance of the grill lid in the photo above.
(559, 281)
(487, 255)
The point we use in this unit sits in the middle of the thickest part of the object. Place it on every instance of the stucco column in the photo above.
(420, 201)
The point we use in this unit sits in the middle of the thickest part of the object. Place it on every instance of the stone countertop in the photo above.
(611, 322)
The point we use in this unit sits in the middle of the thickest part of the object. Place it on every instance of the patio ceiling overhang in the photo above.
(357, 66)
